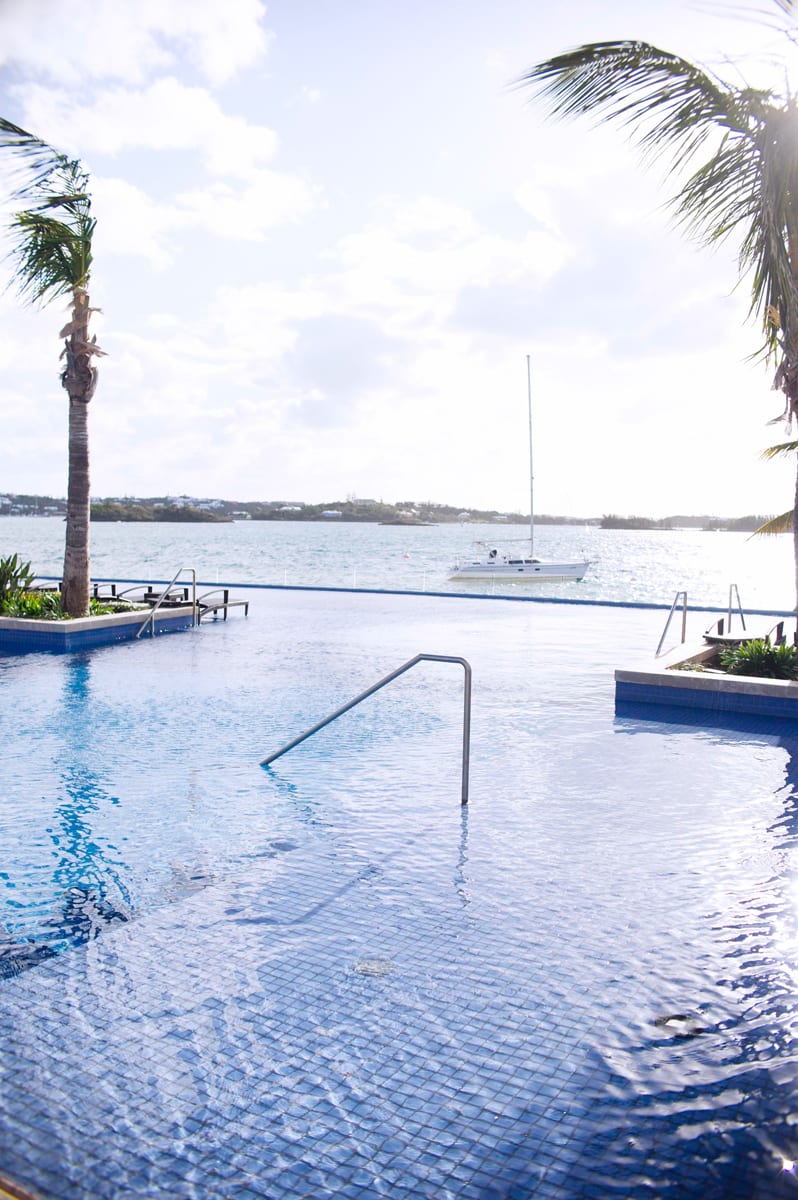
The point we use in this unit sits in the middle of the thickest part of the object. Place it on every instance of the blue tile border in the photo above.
(18, 636)
(712, 699)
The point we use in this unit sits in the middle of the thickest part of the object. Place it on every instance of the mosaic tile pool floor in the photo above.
(340, 983)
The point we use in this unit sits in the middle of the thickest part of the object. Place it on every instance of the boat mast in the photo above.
(531, 476)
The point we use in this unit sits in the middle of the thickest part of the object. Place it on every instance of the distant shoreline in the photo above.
(189, 510)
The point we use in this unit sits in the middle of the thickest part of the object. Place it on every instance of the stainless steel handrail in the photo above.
(734, 590)
(723, 625)
(381, 684)
(164, 594)
(670, 615)
(717, 630)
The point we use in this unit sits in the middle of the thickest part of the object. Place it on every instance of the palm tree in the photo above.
(736, 150)
(51, 232)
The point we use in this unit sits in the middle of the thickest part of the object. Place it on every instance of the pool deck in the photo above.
(393, 995)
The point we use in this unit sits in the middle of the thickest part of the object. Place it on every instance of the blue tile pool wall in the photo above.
(334, 981)
(710, 701)
(61, 640)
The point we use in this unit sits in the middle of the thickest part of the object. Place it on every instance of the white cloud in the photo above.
(71, 41)
(539, 205)
(270, 198)
(380, 347)
(415, 263)
(243, 214)
(261, 321)
(310, 95)
(167, 116)
(122, 207)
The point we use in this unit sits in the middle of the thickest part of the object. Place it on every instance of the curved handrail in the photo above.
(164, 594)
(679, 596)
(778, 631)
(381, 684)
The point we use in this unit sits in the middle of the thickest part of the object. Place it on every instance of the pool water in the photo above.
(329, 978)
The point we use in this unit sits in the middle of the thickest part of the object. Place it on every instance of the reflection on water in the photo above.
(461, 872)
(88, 889)
(719, 1084)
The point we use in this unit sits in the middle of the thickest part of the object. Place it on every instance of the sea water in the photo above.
(626, 566)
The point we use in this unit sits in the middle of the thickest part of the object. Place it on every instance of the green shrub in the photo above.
(15, 576)
(111, 604)
(760, 658)
(45, 606)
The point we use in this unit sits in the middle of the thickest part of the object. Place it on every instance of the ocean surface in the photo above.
(632, 566)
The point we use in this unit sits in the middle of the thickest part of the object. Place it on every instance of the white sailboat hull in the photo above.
(520, 570)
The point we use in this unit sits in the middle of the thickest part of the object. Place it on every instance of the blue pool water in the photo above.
(327, 978)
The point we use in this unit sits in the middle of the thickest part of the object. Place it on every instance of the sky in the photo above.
(329, 233)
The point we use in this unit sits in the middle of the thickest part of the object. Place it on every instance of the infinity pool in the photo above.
(329, 979)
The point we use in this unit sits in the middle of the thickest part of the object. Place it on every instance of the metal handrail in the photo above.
(720, 624)
(733, 589)
(164, 594)
(670, 615)
(381, 684)
(723, 625)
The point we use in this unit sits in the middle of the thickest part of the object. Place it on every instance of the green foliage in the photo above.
(761, 658)
(46, 606)
(783, 523)
(43, 606)
(15, 575)
(52, 228)
(98, 608)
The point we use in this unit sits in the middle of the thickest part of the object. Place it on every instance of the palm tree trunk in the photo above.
(80, 379)
(795, 536)
(75, 588)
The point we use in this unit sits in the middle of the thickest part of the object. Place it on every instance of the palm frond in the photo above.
(675, 103)
(52, 258)
(782, 448)
(52, 232)
(770, 240)
(784, 523)
(37, 159)
(748, 184)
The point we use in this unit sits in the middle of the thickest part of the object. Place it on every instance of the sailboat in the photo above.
(521, 568)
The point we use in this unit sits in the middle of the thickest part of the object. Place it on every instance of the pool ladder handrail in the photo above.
(164, 595)
(683, 596)
(381, 684)
(734, 591)
(724, 625)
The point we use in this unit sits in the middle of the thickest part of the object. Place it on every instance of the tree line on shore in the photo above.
(187, 510)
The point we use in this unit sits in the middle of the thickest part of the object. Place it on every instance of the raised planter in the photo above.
(22, 635)
(671, 683)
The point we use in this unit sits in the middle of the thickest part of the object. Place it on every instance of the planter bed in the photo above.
(23, 635)
(672, 683)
